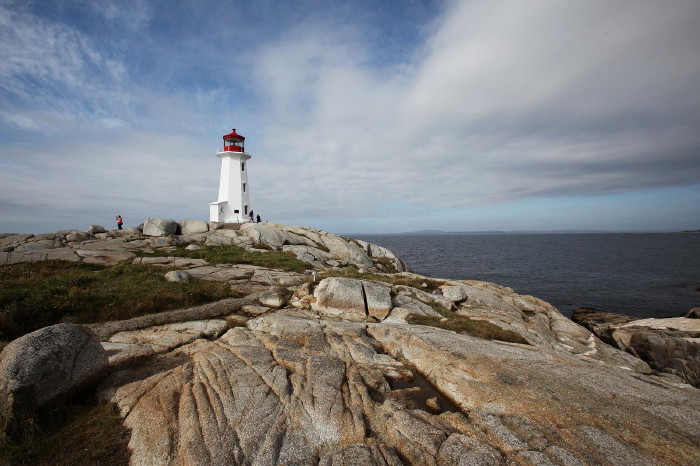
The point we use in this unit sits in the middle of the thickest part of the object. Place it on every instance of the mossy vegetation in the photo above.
(280, 260)
(386, 262)
(79, 433)
(423, 284)
(472, 327)
(36, 294)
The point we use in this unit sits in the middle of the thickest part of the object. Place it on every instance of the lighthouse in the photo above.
(233, 204)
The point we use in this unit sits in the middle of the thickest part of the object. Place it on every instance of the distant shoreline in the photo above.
(525, 232)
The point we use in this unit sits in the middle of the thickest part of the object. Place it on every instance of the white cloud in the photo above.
(507, 101)
(504, 101)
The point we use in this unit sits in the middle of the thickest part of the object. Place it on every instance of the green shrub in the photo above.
(281, 260)
(472, 327)
(73, 434)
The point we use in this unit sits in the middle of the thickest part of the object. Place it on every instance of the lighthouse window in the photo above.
(242, 166)
(243, 187)
(245, 209)
(236, 211)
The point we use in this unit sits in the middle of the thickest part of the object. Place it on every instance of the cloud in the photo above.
(505, 101)
(378, 115)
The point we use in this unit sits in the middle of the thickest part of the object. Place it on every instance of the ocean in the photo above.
(637, 274)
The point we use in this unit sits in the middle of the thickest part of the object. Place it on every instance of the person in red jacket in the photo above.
(120, 222)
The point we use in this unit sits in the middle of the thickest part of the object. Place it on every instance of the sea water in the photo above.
(638, 274)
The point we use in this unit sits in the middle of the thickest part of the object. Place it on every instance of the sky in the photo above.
(367, 116)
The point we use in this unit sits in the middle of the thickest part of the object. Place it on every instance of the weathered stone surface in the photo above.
(13, 240)
(13, 257)
(503, 387)
(273, 235)
(255, 310)
(667, 345)
(311, 255)
(44, 367)
(36, 245)
(377, 299)
(276, 277)
(276, 297)
(127, 346)
(104, 257)
(341, 297)
(404, 305)
(227, 237)
(76, 236)
(333, 374)
(131, 231)
(322, 392)
(455, 294)
(92, 229)
(189, 227)
(159, 227)
(178, 276)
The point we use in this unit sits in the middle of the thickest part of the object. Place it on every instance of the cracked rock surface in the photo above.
(291, 388)
(331, 372)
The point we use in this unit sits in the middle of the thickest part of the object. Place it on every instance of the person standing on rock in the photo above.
(257, 219)
(120, 222)
(251, 215)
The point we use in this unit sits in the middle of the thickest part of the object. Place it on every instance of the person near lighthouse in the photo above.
(120, 222)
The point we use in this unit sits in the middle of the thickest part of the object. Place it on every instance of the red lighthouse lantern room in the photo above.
(234, 142)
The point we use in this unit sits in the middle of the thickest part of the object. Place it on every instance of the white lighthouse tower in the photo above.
(233, 205)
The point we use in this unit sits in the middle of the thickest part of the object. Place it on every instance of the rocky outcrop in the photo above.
(353, 299)
(159, 227)
(318, 248)
(325, 391)
(45, 367)
(191, 227)
(667, 345)
(332, 372)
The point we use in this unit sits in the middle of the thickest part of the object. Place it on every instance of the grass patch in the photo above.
(281, 260)
(386, 262)
(472, 327)
(75, 434)
(37, 294)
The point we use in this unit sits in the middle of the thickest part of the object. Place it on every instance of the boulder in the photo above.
(191, 227)
(668, 345)
(215, 225)
(46, 367)
(75, 236)
(159, 227)
(309, 254)
(254, 310)
(225, 237)
(178, 276)
(352, 299)
(36, 245)
(456, 294)
(692, 314)
(92, 229)
(276, 297)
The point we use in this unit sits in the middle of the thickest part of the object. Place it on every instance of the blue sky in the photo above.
(362, 116)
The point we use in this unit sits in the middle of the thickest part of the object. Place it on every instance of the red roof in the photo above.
(234, 134)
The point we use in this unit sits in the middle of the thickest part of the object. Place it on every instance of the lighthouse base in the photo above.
(221, 212)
